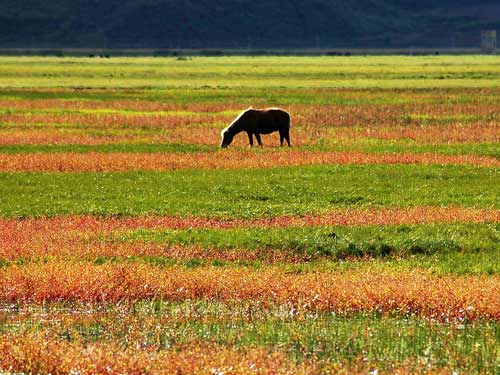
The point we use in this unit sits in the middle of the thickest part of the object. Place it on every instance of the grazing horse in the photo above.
(257, 122)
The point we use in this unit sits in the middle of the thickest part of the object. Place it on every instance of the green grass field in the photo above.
(252, 72)
(111, 173)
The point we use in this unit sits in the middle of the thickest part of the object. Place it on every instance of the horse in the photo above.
(257, 122)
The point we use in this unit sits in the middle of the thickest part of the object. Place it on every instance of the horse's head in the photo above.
(227, 138)
(238, 125)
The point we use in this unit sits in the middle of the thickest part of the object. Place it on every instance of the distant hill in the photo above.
(245, 23)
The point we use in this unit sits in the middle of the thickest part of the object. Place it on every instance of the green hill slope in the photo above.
(243, 23)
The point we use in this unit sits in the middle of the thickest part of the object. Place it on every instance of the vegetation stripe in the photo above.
(94, 162)
(440, 298)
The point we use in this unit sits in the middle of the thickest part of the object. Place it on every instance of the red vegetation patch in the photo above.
(98, 162)
(368, 216)
(82, 236)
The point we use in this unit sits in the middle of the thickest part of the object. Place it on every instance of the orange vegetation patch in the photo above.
(186, 135)
(107, 121)
(75, 247)
(78, 136)
(46, 354)
(456, 133)
(409, 293)
(300, 135)
(48, 136)
(97, 162)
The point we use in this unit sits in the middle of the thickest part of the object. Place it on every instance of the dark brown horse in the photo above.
(257, 122)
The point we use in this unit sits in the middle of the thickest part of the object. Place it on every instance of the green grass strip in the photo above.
(358, 145)
(336, 241)
(264, 96)
(247, 193)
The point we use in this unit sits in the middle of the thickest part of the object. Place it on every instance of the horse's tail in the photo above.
(289, 125)
(288, 119)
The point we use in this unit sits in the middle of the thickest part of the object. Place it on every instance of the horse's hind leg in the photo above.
(259, 141)
(287, 137)
(282, 138)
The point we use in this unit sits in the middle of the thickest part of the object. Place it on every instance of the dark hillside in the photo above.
(244, 23)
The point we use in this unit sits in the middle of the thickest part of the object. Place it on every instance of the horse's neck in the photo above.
(235, 129)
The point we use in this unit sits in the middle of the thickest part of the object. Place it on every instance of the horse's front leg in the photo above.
(250, 138)
(259, 141)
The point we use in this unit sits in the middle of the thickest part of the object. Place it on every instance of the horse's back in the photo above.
(273, 119)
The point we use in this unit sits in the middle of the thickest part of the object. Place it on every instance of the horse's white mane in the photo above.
(236, 119)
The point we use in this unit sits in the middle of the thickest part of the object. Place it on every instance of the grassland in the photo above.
(129, 242)
(258, 72)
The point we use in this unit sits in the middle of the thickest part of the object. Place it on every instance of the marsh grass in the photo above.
(431, 92)
(381, 341)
